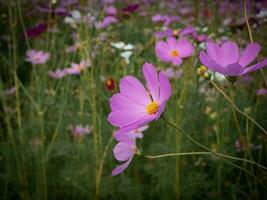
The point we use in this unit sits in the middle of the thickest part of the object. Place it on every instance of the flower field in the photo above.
(145, 99)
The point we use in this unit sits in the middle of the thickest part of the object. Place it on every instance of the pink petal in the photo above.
(204, 59)
(165, 88)
(119, 169)
(215, 53)
(124, 118)
(184, 47)
(233, 69)
(133, 89)
(231, 52)
(249, 54)
(123, 151)
(163, 51)
(171, 41)
(177, 61)
(151, 78)
(144, 121)
(255, 67)
(119, 102)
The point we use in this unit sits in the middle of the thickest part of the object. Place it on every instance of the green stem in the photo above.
(180, 130)
(236, 108)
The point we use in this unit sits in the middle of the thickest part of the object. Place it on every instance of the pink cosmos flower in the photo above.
(57, 74)
(77, 68)
(174, 50)
(227, 59)
(37, 57)
(136, 106)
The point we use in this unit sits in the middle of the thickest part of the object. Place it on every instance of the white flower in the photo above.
(74, 19)
(126, 55)
(122, 46)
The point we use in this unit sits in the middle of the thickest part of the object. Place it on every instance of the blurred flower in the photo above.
(126, 55)
(73, 47)
(73, 19)
(261, 92)
(37, 57)
(166, 19)
(57, 74)
(174, 50)
(227, 60)
(36, 30)
(10, 91)
(78, 68)
(173, 73)
(111, 10)
(110, 84)
(131, 8)
(79, 130)
(135, 99)
(106, 22)
(122, 46)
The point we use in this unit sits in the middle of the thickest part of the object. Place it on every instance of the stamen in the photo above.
(152, 108)
(174, 53)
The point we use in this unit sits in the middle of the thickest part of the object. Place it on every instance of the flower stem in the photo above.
(236, 108)
(180, 130)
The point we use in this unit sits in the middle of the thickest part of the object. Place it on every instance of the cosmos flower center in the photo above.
(174, 53)
(152, 108)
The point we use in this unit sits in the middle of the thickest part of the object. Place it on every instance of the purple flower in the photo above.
(261, 92)
(136, 106)
(37, 57)
(131, 8)
(106, 22)
(172, 73)
(111, 10)
(174, 50)
(36, 30)
(79, 130)
(76, 69)
(57, 74)
(227, 60)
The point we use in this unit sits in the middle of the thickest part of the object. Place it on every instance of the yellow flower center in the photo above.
(174, 53)
(152, 108)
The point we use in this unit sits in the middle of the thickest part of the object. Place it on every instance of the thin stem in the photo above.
(205, 153)
(180, 130)
(236, 108)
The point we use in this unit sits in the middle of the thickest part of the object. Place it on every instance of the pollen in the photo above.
(152, 108)
(174, 53)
